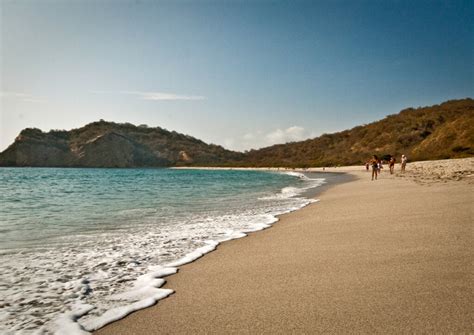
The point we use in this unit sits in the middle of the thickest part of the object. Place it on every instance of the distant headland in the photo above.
(436, 132)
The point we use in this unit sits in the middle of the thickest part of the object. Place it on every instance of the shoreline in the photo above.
(159, 318)
(83, 315)
(170, 269)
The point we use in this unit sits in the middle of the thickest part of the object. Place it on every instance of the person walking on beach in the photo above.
(392, 164)
(404, 162)
(374, 162)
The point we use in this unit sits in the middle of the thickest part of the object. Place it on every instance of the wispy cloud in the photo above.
(22, 97)
(164, 96)
(156, 96)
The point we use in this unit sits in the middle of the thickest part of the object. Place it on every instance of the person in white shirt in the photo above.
(404, 162)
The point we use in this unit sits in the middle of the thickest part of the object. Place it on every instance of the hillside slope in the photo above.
(108, 144)
(436, 132)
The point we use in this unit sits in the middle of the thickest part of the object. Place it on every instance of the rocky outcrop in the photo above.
(115, 150)
(108, 144)
(35, 148)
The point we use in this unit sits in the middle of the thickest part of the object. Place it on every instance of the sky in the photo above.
(241, 74)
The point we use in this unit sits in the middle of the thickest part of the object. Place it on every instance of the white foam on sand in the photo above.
(66, 323)
(122, 274)
(291, 191)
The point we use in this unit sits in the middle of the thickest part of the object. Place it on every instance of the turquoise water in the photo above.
(77, 237)
(40, 205)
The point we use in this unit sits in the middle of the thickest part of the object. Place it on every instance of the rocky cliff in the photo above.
(108, 144)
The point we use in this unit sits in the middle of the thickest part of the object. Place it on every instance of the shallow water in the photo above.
(78, 243)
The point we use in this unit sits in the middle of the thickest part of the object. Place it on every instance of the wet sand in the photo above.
(389, 256)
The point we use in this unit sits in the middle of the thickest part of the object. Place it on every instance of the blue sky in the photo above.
(243, 74)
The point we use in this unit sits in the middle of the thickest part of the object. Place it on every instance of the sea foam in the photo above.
(83, 285)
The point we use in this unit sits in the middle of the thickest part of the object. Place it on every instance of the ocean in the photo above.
(80, 248)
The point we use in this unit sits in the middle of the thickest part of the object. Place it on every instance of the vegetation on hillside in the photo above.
(436, 132)
(109, 144)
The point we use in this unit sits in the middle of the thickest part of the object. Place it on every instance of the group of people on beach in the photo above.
(377, 165)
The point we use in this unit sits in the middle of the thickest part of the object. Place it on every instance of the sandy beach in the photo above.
(388, 256)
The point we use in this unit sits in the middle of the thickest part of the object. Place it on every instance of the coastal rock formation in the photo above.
(109, 144)
(436, 132)
(183, 156)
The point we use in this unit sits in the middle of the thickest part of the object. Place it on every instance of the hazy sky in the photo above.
(237, 73)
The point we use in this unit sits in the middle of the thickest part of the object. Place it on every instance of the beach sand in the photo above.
(387, 256)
